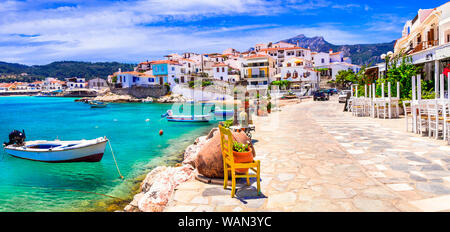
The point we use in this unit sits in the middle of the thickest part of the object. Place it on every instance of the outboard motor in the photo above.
(17, 138)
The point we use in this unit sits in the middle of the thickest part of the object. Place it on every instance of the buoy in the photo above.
(147, 120)
(161, 132)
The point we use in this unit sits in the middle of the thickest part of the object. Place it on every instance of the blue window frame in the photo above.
(151, 79)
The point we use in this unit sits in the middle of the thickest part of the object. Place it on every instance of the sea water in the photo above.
(132, 128)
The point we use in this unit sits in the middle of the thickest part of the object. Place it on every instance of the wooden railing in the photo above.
(425, 45)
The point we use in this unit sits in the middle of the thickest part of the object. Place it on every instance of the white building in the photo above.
(98, 84)
(301, 72)
(426, 38)
(282, 51)
(52, 84)
(332, 62)
(223, 72)
(76, 83)
(258, 70)
(129, 79)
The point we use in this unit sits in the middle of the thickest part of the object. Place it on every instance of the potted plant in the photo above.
(242, 153)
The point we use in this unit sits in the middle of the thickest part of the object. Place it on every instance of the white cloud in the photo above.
(134, 31)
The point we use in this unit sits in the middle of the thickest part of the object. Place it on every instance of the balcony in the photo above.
(424, 45)
(256, 76)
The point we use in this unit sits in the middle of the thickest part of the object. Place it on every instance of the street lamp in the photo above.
(386, 57)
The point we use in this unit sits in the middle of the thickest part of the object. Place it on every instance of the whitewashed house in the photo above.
(76, 83)
(223, 72)
(300, 72)
(52, 84)
(98, 84)
(426, 38)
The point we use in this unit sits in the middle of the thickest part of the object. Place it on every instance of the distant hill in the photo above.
(60, 70)
(361, 54)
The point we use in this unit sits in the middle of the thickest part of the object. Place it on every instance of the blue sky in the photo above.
(43, 31)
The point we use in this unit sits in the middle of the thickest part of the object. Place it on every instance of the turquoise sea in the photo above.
(133, 129)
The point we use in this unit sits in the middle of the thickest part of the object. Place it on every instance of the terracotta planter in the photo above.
(243, 157)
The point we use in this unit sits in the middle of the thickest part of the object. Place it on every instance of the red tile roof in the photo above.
(164, 62)
(256, 56)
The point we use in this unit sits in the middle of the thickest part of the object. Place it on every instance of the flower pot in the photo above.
(243, 157)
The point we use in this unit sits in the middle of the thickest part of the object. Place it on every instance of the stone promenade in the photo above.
(314, 157)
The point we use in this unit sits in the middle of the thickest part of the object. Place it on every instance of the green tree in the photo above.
(401, 69)
(345, 78)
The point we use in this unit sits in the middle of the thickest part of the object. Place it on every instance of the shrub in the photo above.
(239, 147)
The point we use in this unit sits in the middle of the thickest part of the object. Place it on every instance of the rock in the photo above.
(173, 98)
(111, 97)
(151, 177)
(147, 100)
(160, 188)
(209, 160)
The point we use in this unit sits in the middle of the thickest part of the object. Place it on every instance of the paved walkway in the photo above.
(314, 157)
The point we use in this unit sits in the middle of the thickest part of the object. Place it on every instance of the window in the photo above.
(223, 69)
(173, 68)
(151, 79)
(217, 69)
(323, 61)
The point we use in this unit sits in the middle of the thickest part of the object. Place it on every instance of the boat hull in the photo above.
(224, 113)
(188, 119)
(85, 153)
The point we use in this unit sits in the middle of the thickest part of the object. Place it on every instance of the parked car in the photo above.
(321, 95)
(343, 96)
(332, 91)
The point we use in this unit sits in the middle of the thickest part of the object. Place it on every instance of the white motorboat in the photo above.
(186, 118)
(59, 151)
(98, 104)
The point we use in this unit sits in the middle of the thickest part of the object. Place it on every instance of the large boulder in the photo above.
(158, 188)
(209, 161)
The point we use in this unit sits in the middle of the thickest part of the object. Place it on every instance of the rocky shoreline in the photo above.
(159, 185)
(116, 98)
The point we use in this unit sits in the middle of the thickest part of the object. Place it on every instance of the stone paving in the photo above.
(314, 157)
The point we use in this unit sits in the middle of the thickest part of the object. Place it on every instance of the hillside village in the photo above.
(302, 68)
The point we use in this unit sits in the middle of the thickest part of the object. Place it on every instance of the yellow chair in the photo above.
(226, 144)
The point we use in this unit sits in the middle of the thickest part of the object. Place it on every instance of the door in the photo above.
(161, 82)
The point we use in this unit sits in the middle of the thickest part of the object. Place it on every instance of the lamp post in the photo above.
(386, 58)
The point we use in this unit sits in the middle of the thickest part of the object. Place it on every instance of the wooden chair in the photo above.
(226, 144)
(408, 114)
(434, 119)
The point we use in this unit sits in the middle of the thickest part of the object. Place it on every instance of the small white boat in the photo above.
(186, 118)
(60, 151)
(97, 104)
(189, 118)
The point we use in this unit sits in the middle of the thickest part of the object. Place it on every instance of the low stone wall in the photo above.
(142, 92)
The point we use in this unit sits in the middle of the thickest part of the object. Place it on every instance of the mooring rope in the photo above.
(112, 152)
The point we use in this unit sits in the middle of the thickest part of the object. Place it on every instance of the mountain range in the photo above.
(361, 54)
